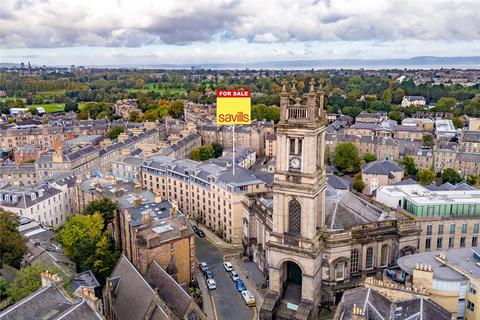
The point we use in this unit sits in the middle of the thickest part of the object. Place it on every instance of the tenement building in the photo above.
(49, 202)
(157, 232)
(205, 191)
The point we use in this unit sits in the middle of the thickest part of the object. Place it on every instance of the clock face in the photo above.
(295, 163)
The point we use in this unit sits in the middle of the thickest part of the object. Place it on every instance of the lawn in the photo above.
(51, 107)
(82, 105)
(153, 87)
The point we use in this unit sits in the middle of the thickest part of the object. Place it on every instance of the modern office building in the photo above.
(451, 278)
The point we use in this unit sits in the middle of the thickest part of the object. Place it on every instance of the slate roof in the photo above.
(377, 307)
(169, 290)
(471, 136)
(337, 183)
(382, 167)
(345, 209)
(132, 294)
(49, 303)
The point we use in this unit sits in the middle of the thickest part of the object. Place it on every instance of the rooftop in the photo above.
(458, 263)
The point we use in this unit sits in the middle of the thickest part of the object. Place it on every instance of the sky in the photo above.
(126, 32)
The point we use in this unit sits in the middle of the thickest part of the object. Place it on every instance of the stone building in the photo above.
(308, 237)
(246, 136)
(44, 136)
(423, 158)
(451, 278)
(52, 301)
(388, 301)
(205, 191)
(49, 202)
(12, 173)
(270, 145)
(154, 295)
(157, 231)
(380, 173)
(125, 107)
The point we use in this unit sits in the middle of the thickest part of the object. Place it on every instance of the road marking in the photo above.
(255, 313)
(214, 307)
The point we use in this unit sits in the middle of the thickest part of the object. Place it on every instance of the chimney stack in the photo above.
(49, 279)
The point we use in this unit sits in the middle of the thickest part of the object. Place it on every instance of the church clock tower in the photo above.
(294, 247)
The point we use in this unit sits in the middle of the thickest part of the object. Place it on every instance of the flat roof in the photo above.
(466, 260)
(422, 196)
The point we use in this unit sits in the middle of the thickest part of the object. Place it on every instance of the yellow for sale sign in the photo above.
(233, 107)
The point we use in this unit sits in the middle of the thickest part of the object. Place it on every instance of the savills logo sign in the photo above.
(233, 107)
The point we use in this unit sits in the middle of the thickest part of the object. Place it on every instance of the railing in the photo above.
(297, 113)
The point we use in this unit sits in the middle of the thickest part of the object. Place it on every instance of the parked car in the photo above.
(203, 266)
(228, 266)
(200, 233)
(208, 274)
(240, 285)
(211, 284)
(234, 276)
(248, 298)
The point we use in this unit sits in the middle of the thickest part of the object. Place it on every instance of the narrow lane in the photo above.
(228, 301)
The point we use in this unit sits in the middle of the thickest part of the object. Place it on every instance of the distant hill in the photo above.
(410, 63)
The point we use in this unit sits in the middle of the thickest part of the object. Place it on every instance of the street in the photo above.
(228, 301)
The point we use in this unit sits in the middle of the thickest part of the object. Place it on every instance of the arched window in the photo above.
(354, 261)
(294, 217)
(384, 256)
(369, 259)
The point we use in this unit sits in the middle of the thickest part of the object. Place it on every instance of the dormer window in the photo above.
(33, 196)
(14, 199)
(7, 197)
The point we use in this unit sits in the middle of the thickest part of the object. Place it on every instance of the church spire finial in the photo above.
(294, 86)
(284, 86)
(312, 85)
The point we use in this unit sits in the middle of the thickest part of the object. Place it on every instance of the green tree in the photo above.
(425, 176)
(12, 244)
(3, 288)
(445, 104)
(195, 155)
(104, 206)
(395, 115)
(114, 132)
(206, 152)
(264, 112)
(134, 116)
(175, 109)
(457, 122)
(85, 241)
(410, 168)
(358, 185)
(387, 95)
(450, 175)
(472, 180)
(28, 280)
(217, 150)
(346, 158)
(369, 157)
(428, 141)
(33, 111)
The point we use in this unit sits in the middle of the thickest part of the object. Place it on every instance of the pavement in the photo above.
(206, 297)
(227, 302)
(216, 240)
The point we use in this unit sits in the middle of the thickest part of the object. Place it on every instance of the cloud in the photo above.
(129, 23)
